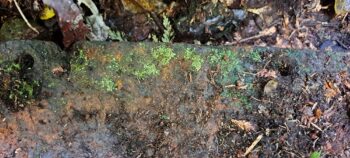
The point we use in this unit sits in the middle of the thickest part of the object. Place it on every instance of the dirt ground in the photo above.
(122, 100)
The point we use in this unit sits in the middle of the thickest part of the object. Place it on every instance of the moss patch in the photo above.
(195, 60)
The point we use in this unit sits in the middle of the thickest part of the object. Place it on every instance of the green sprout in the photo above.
(168, 34)
(315, 154)
(117, 35)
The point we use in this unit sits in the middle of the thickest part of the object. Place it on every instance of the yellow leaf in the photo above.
(47, 13)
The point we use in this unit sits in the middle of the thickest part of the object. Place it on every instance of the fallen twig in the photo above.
(314, 125)
(251, 147)
(24, 17)
(262, 33)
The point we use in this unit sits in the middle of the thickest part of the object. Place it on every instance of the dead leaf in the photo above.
(244, 125)
(346, 84)
(344, 78)
(318, 113)
(57, 71)
(330, 90)
(267, 73)
(70, 21)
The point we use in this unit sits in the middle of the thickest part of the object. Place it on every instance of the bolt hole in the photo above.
(26, 62)
(285, 69)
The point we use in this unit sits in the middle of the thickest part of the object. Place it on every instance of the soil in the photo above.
(278, 79)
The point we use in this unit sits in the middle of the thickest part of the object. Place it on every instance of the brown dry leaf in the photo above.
(267, 73)
(331, 90)
(318, 113)
(70, 21)
(344, 78)
(140, 5)
(57, 70)
(244, 125)
(346, 84)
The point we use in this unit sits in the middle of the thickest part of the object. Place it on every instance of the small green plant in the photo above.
(230, 65)
(154, 38)
(14, 89)
(255, 56)
(79, 69)
(196, 60)
(80, 62)
(117, 35)
(168, 34)
(113, 65)
(148, 69)
(107, 84)
(12, 67)
(163, 54)
(315, 154)
(164, 117)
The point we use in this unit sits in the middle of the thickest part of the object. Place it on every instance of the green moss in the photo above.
(14, 89)
(163, 54)
(315, 154)
(113, 66)
(79, 63)
(239, 99)
(255, 55)
(229, 63)
(79, 67)
(12, 68)
(107, 84)
(148, 70)
(196, 60)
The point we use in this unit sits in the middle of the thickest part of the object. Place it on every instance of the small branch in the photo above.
(314, 125)
(24, 17)
(262, 33)
(251, 147)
